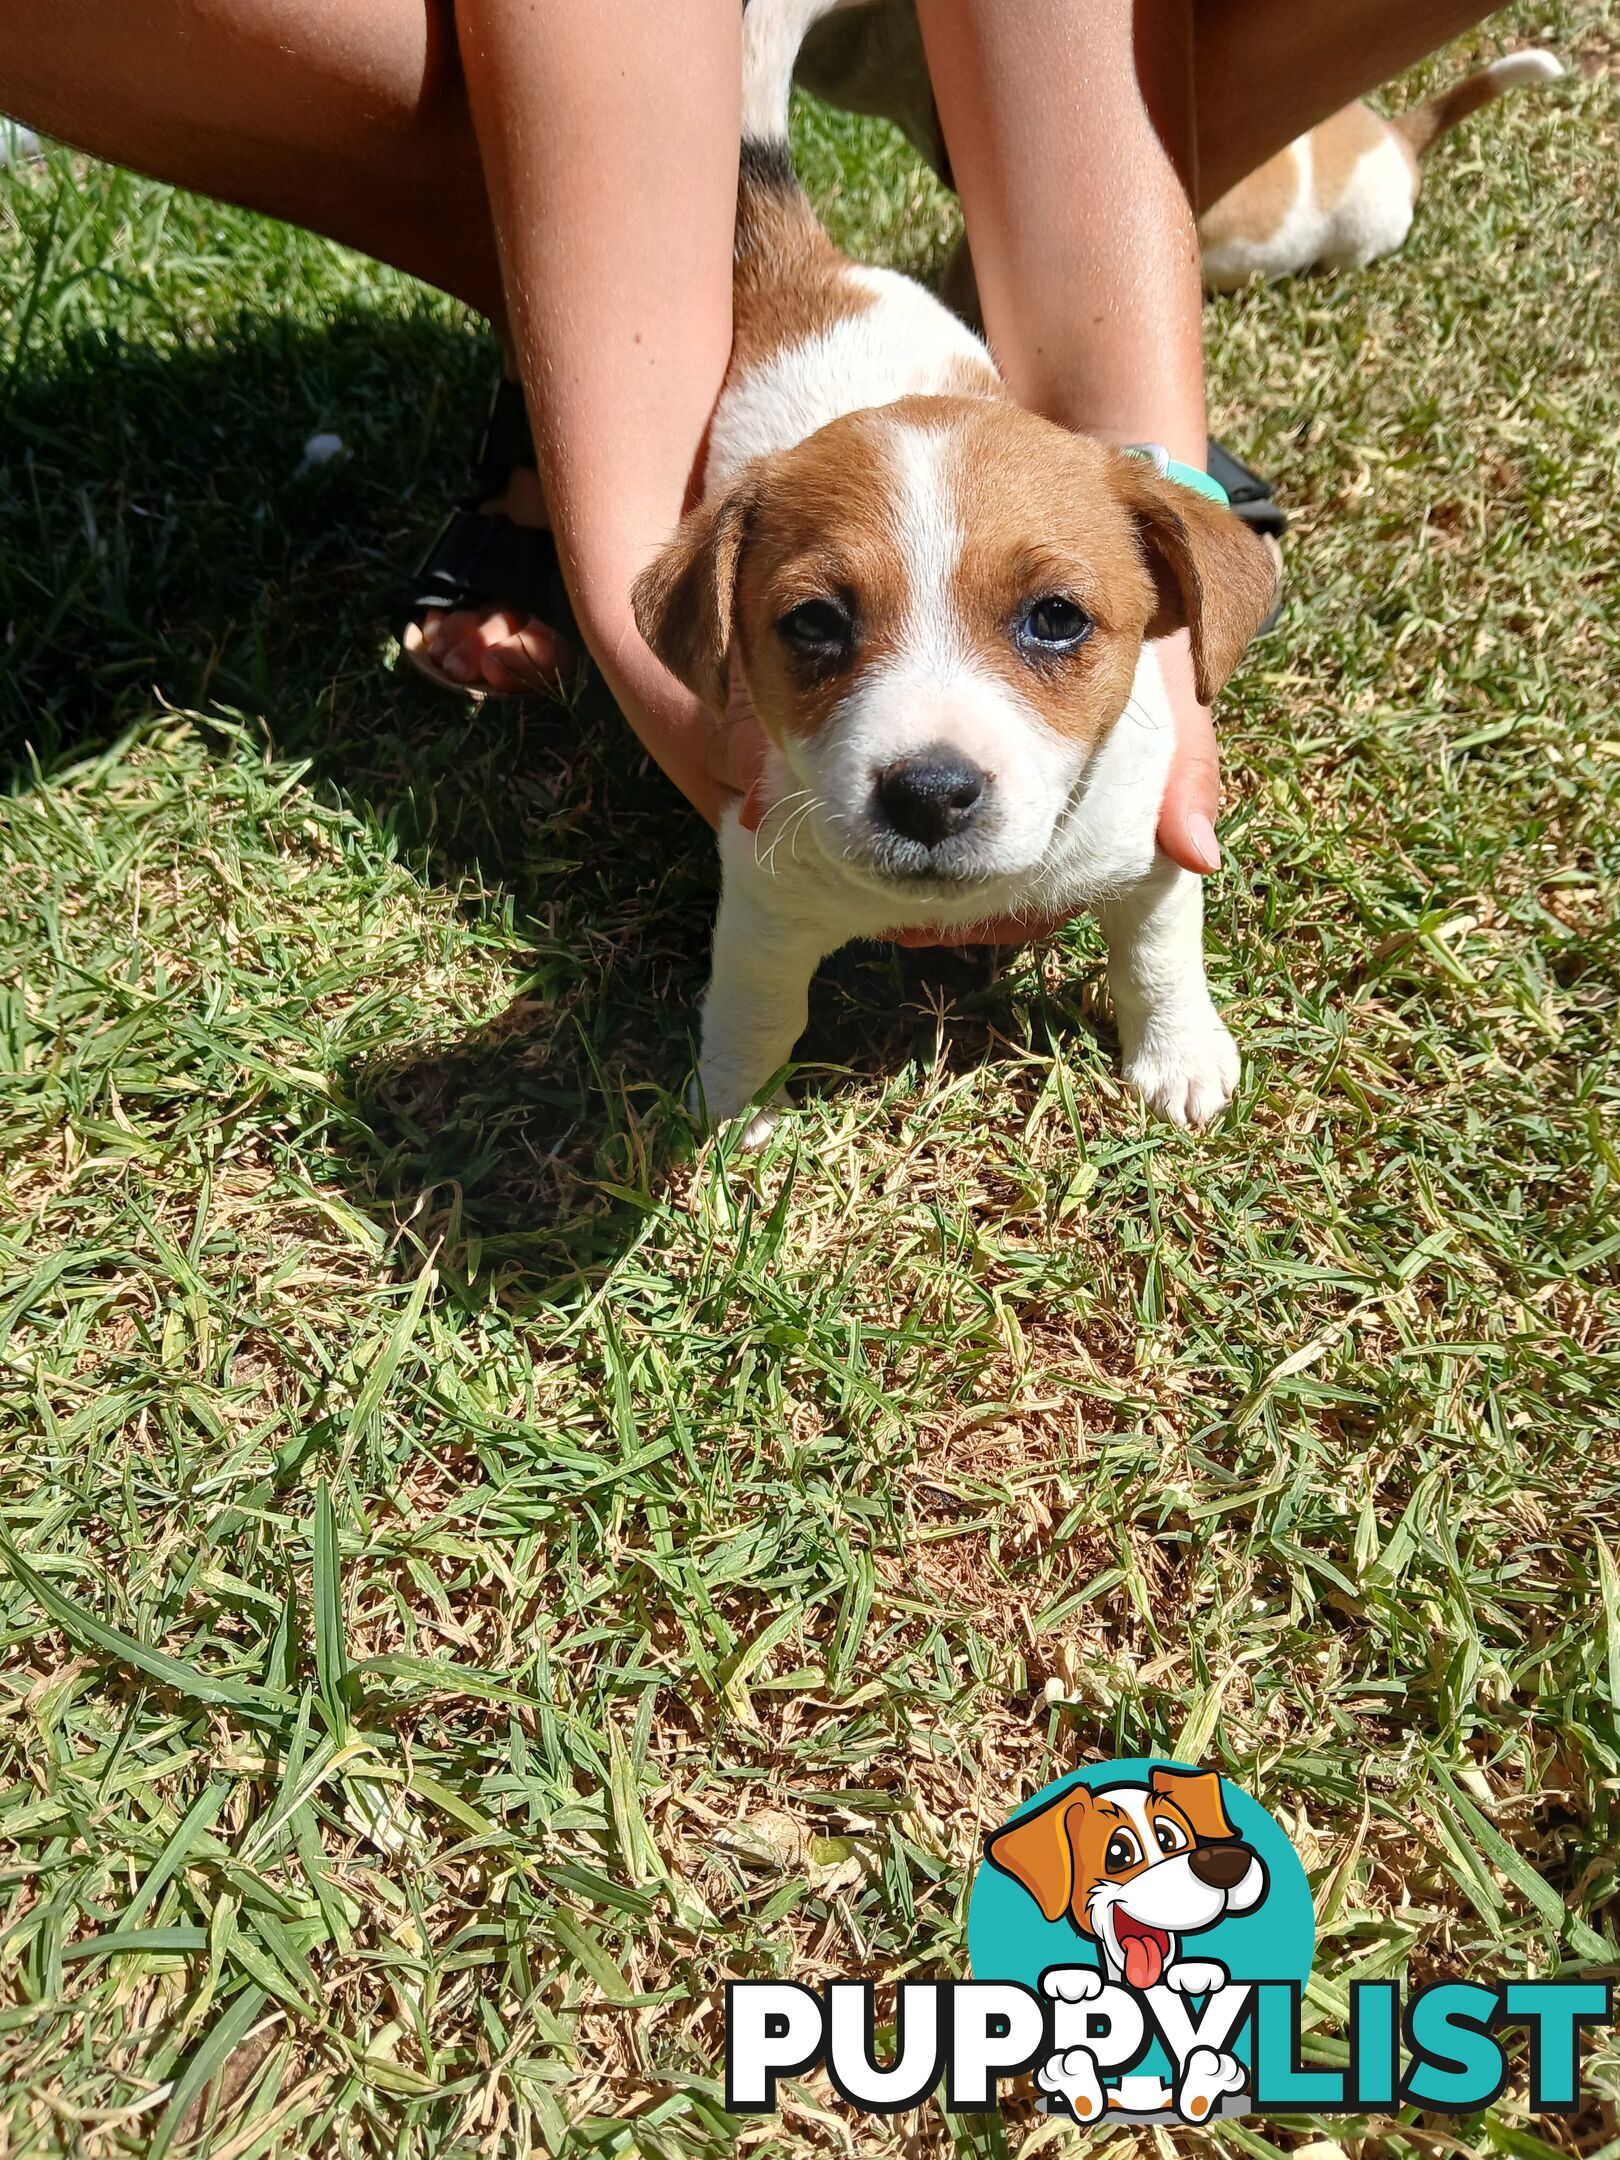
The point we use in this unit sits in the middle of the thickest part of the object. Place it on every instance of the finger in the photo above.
(736, 754)
(736, 750)
(1192, 795)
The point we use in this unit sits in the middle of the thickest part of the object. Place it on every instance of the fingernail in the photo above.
(438, 645)
(459, 665)
(1201, 833)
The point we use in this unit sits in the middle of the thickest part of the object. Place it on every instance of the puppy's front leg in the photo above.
(754, 1010)
(1178, 1055)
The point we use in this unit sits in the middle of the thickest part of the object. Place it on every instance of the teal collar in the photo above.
(1168, 468)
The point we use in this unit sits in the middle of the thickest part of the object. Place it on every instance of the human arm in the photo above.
(609, 139)
(1073, 146)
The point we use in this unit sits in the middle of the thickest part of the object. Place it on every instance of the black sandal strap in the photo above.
(481, 559)
(1250, 496)
(507, 441)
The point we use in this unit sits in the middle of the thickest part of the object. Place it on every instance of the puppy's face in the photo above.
(1135, 1867)
(937, 607)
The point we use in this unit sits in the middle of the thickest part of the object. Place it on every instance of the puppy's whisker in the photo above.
(783, 810)
(1139, 713)
(790, 830)
(798, 826)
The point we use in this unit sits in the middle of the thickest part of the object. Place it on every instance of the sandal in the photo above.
(481, 559)
(1251, 500)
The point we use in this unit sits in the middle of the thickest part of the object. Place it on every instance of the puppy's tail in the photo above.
(1425, 124)
(772, 33)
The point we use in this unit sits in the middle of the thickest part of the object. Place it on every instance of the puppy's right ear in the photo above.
(1215, 577)
(1038, 1851)
(1198, 1795)
(685, 600)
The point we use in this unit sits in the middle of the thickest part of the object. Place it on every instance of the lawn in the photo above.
(483, 1566)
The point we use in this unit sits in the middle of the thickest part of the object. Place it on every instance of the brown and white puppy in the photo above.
(1135, 1869)
(1344, 194)
(938, 604)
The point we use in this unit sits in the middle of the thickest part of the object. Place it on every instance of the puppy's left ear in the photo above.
(1215, 578)
(684, 602)
(1198, 1795)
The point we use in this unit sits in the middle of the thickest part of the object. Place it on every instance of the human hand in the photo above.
(1192, 792)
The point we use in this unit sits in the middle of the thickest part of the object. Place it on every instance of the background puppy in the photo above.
(937, 604)
(1344, 194)
(1333, 199)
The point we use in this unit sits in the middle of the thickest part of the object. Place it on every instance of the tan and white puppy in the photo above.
(1344, 194)
(1135, 1869)
(938, 604)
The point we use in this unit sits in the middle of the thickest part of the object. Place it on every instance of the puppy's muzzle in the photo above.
(930, 797)
(1220, 1867)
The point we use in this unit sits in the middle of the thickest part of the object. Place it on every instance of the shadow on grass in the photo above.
(535, 1144)
(156, 531)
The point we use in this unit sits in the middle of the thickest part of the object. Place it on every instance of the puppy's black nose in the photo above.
(1222, 1867)
(930, 796)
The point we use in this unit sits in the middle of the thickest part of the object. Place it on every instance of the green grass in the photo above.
(483, 1567)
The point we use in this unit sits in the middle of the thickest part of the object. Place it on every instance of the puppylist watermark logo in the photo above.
(1141, 1935)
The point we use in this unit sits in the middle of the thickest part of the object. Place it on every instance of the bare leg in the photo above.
(351, 119)
(601, 140)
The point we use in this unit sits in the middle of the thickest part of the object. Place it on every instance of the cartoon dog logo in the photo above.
(1135, 1869)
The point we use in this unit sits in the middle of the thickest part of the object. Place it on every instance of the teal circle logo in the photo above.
(1139, 1896)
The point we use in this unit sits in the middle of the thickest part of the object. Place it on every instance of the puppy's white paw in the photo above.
(1185, 1069)
(715, 1099)
(1196, 1976)
(1073, 2077)
(1205, 2079)
(1072, 1983)
(760, 1126)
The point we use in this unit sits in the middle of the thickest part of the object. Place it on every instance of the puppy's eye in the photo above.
(1122, 1852)
(819, 629)
(1170, 1836)
(1054, 624)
